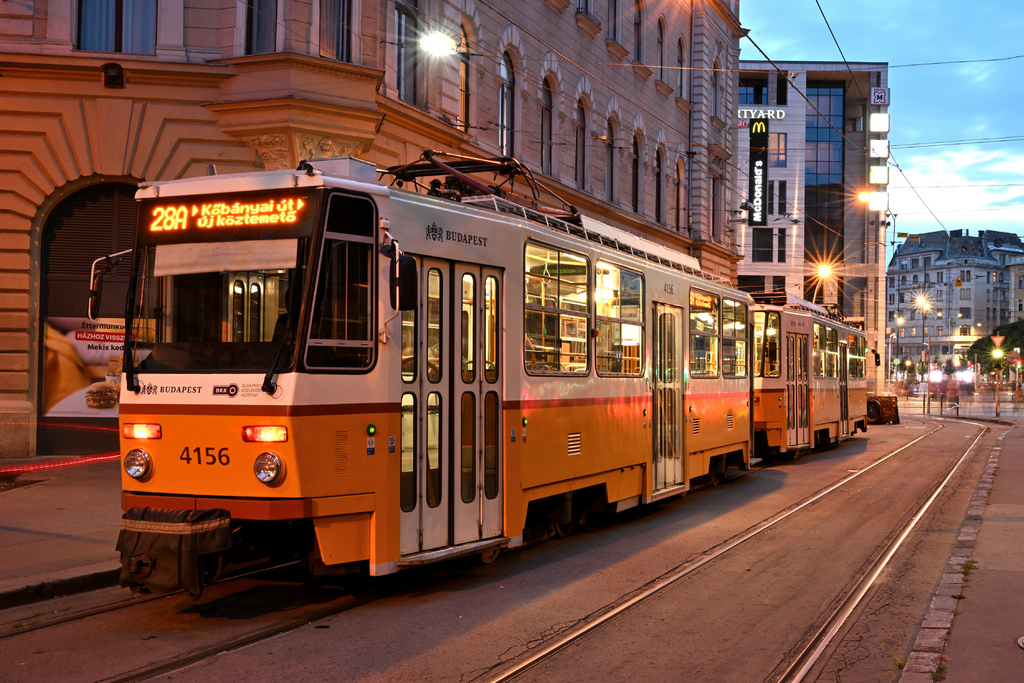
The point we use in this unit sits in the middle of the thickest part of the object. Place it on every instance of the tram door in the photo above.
(668, 398)
(844, 390)
(797, 390)
(451, 489)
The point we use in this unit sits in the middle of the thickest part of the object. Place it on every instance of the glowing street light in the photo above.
(438, 44)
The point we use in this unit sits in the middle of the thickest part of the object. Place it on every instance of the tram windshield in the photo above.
(203, 309)
(216, 280)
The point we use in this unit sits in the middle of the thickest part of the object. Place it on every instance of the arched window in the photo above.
(638, 33)
(507, 107)
(658, 178)
(546, 100)
(635, 180)
(581, 146)
(609, 162)
(681, 69)
(680, 196)
(716, 94)
(660, 33)
(464, 81)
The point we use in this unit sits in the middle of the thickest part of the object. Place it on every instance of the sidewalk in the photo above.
(976, 618)
(59, 521)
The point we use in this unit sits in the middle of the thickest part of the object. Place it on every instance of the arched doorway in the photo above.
(77, 411)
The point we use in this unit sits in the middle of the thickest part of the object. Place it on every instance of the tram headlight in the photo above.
(138, 464)
(268, 469)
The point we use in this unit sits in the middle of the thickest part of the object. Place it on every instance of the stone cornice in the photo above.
(147, 71)
(292, 60)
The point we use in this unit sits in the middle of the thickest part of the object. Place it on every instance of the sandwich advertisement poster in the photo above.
(82, 371)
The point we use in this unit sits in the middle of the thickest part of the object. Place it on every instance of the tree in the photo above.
(983, 347)
(949, 369)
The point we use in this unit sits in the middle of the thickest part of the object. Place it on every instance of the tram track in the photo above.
(796, 663)
(809, 650)
(122, 603)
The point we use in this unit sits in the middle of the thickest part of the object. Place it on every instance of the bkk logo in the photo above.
(230, 390)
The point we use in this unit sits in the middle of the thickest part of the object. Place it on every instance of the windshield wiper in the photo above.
(269, 385)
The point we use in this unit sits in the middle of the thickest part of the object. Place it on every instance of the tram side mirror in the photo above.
(95, 294)
(402, 281)
(407, 280)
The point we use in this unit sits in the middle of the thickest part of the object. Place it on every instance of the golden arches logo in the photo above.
(758, 127)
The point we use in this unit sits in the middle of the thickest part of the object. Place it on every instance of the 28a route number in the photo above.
(211, 455)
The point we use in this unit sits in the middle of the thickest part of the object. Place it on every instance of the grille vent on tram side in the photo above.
(696, 425)
(574, 444)
(728, 421)
(341, 452)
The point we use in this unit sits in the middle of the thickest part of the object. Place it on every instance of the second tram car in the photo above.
(367, 378)
(810, 386)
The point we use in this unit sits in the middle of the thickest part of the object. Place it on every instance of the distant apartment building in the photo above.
(820, 154)
(947, 290)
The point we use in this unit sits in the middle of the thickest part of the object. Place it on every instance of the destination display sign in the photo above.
(213, 218)
(702, 300)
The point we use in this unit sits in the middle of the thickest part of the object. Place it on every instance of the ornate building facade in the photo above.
(624, 109)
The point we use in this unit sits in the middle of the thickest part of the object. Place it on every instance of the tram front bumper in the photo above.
(163, 550)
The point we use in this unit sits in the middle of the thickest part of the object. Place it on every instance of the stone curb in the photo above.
(928, 653)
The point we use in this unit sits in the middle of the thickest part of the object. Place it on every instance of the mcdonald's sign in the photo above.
(758, 188)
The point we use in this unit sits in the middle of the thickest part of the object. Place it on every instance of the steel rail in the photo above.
(809, 655)
(659, 584)
(131, 601)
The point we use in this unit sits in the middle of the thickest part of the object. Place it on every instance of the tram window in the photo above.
(238, 310)
(433, 425)
(491, 322)
(491, 432)
(704, 314)
(468, 447)
(832, 353)
(409, 355)
(734, 338)
(434, 336)
(556, 320)
(858, 354)
(255, 312)
(468, 327)
(619, 298)
(819, 350)
(341, 332)
(767, 360)
(408, 462)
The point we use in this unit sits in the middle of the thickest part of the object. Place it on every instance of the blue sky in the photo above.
(940, 114)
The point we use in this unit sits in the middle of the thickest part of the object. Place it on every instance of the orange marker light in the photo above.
(268, 434)
(140, 431)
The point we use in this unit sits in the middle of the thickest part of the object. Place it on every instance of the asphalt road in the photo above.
(737, 618)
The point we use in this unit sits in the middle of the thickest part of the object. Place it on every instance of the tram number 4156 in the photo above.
(211, 455)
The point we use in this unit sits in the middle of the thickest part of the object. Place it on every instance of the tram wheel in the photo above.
(489, 556)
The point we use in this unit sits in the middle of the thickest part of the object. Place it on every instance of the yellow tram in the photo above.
(810, 382)
(322, 365)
